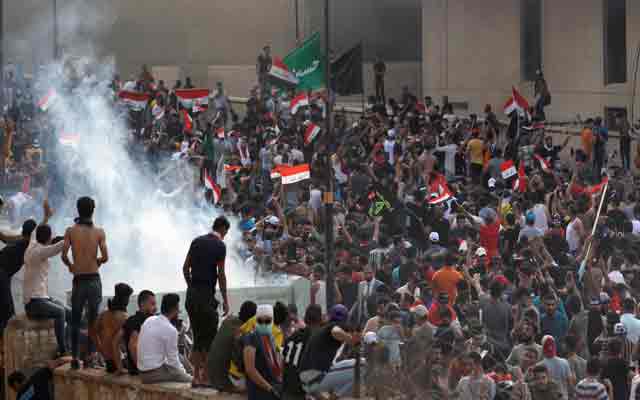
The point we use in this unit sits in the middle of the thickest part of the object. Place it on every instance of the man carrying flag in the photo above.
(298, 102)
(516, 103)
(210, 184)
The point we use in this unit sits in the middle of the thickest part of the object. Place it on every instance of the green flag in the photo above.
(307, 63)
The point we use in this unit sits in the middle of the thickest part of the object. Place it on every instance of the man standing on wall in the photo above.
(379, 69)
(84, 239)
(203, 270)
(262, 69)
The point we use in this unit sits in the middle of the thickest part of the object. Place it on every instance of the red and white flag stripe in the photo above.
(134, 100)
(69, 139)
(48, 100)
(516, 103)
(520, 184)
(210, 184)
(311, 133)
(544, 164)
(232, 168)
(291, 174)
(281, 72)
(508, 169)
(301, 100)
(193, 99)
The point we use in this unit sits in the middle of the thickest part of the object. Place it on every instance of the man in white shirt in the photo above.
(629, 320)
(37, 303)
(158, 356)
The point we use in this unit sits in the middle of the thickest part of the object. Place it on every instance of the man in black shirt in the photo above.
(318, 372)
(147, 307)
(379, 69)
(293, 349)
(11, 260)
(203, 269)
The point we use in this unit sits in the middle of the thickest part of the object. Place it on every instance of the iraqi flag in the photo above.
(301, 100)
(516, 103)
(234, 169)
(134, 100)
(520, 184)
(439, 190)
(508, 169)
(188, 121)
(598, 188)
(544, 164)
(210, 184)
(280, 73)
(311, 133)
(48, 100)
(69, 139)
(294, 174)
(437, 199)
(193, 99)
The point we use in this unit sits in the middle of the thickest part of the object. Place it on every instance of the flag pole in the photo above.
(328, 196)
(362, 77)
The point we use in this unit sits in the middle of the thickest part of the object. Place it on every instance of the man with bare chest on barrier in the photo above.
(84, 239)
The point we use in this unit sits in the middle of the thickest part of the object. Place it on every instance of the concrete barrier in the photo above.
(95, 384)
(27, 345)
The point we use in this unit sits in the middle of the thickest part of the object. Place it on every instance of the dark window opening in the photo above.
(530, 38)
(615, 41)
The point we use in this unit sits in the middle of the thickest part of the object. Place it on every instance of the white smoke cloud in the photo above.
(148, 234)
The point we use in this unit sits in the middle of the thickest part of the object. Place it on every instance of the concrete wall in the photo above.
(471, 52)
(192, 34)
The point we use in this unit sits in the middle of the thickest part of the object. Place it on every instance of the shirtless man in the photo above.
(109, 328)
(84, 239)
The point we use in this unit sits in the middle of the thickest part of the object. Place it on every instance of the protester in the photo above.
(262, 361)
(201, 304)
(158, 359)
(131, 328)
(109, 332)
(37, 303)
(84, 240)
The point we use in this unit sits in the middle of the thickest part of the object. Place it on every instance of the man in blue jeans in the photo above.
(319, 374)
(37, 303)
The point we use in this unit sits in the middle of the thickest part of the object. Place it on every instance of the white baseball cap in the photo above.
(434, 237)
(481, 252)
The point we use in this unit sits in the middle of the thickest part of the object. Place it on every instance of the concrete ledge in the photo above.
(96, 384)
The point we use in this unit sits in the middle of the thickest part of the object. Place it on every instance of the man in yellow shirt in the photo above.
(475, 152)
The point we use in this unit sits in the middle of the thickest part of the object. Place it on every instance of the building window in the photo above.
(615, 41)
(530, 38)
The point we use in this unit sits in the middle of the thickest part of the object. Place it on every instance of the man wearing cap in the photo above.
(318, 372)
(530, 231)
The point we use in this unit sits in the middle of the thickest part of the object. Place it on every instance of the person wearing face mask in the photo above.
(262, 361)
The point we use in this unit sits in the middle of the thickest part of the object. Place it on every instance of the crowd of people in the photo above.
(474, 259)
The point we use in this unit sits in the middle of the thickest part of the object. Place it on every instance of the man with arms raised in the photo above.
(84, 239)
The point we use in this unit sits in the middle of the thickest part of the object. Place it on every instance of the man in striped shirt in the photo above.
(590, 388)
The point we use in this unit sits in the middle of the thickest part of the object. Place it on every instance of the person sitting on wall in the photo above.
(131, 328)
(109, 328)
(158, 355)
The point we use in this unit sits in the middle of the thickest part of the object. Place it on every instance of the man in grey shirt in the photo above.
(530, 231)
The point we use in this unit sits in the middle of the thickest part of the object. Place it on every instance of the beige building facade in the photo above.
(472, 54)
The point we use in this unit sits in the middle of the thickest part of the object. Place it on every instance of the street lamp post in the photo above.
(328, 195)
